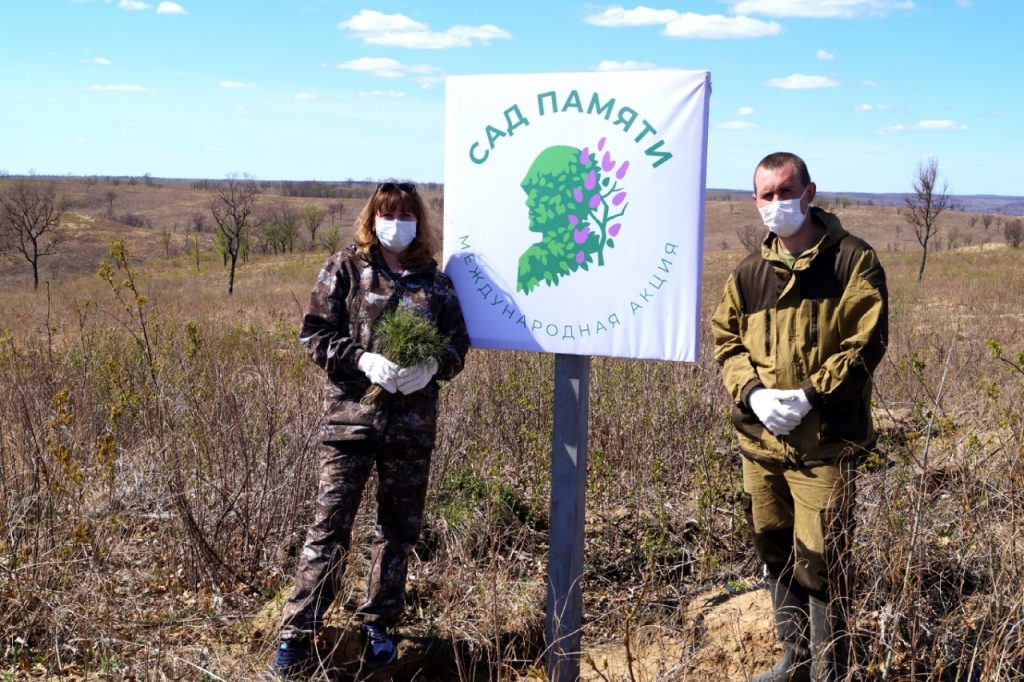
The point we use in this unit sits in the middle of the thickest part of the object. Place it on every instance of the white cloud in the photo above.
(398, 30)
(927, 124)
(305, 96)
(385, 67)
(641, 16)
(745, 111)
(863, 108)
(799, 81)
(133, 5)
(825, 56)
(940, 124)
(738, 125)
(170, 8)
(820, 9)
(685, 24)
(718, 27)
(236, 85)
(214, 149)
(382, 93)
(102, 61)
(120, 88)
(893, 130)
(964, 3)
(628, 65)
(369, 21)
(871, 84)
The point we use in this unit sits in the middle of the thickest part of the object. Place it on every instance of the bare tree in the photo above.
(30, 221)
(232, 210)
(277, 227)
(332, 239)
(197, 223)
(109, 197)
(986, 221)
(1014, 232)
(336, 210)
(952, 238)
(166, 237)
(750, 236)
(924, 206)
(313, 216)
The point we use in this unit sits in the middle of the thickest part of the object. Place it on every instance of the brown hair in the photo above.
(421, 250)
(778, 160)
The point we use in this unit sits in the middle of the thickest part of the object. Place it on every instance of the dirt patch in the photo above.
(729, 638)
(720, 638)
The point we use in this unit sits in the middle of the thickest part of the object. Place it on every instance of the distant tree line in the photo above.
(313, 189)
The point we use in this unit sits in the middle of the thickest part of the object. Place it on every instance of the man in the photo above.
(799, 332)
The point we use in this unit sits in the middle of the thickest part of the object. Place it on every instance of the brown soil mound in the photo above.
(730, 638)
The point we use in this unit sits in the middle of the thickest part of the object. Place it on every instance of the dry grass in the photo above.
(157, 471)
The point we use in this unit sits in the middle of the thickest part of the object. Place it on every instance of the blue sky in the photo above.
(864, 90)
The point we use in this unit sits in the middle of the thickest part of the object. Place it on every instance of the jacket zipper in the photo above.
(814, 323)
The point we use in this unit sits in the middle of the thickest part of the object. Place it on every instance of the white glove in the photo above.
(778, 416)
(797, 400)
(412, 379)
(379, 370)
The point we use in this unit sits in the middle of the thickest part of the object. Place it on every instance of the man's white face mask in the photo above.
(784, 218)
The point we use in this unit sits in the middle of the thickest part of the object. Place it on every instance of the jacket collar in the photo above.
(833, 232)
(376, 258)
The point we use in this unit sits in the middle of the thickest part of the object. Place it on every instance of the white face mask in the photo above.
(784, 218)
(395, 235)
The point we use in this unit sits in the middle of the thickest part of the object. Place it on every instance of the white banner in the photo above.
(574, 210)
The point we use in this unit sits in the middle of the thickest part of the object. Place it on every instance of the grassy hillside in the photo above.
(158, 460)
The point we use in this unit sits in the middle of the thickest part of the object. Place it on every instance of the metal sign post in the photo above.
(568, 508)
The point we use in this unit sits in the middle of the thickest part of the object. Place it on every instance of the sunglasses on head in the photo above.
(406, 187)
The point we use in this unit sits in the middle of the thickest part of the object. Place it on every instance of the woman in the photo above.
(389, 265)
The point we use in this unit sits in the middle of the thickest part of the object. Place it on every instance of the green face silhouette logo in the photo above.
(575, 200)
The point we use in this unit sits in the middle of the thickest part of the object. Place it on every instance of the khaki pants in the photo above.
(802, 521)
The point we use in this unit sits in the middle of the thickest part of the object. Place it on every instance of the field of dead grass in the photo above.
(157, 468)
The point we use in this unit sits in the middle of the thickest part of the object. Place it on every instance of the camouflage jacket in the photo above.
(820, 325)
(351, 293)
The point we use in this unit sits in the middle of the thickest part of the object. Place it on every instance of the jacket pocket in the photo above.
(342, 404)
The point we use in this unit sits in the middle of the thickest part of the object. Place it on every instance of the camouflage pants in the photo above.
(401, 492)
(802, 523)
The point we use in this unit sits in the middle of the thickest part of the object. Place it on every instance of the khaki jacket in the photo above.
(821, 326)
(351, 293)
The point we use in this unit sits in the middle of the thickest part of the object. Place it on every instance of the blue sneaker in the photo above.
(292, 658)
(381, 646)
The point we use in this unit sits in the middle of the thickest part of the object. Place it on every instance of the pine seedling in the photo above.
(406, 339)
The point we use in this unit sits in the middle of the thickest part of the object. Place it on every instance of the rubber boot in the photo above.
(791, 629)
(828, 641)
